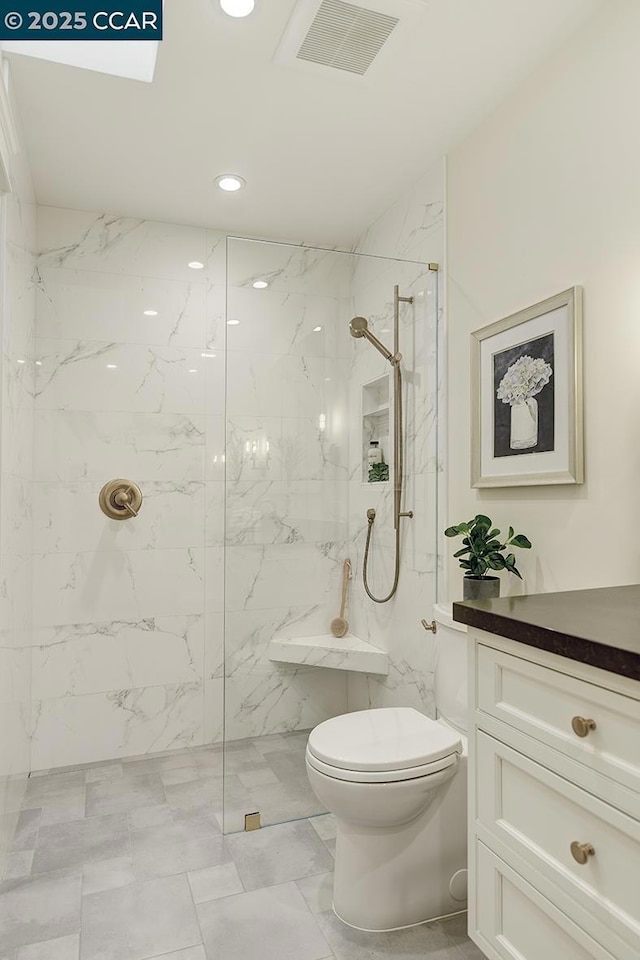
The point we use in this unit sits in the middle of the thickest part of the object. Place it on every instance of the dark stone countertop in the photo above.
(599, 627)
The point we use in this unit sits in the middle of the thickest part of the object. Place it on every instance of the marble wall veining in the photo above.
(127, 615)
(412, 229)
(237, 435)
(287, 479)
(244, 438)
(17, 332)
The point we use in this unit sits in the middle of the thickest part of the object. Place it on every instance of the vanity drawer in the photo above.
(515, 922)
(542, 703)
(537, 815)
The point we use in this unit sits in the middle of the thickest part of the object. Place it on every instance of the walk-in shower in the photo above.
(359, 327)
(237, 412)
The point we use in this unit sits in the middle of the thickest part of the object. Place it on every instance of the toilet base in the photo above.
(387, 879)
(407, 926)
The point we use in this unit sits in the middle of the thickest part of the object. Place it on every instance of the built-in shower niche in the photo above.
(376, 406)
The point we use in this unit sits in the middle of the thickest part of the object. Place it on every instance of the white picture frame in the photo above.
(526, 396)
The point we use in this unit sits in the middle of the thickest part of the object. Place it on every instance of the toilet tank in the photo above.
(450, 667)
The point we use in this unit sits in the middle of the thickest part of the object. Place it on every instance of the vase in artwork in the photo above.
(524, 424)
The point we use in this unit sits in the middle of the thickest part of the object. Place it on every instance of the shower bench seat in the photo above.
(345, 653)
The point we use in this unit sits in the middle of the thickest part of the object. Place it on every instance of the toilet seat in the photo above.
(380, 776)
(383, 745)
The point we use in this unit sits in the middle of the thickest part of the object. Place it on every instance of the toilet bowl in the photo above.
(396, 782)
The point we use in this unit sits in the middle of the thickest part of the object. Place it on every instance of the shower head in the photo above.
(359, 327)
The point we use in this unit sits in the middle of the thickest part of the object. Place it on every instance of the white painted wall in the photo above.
(544, 195)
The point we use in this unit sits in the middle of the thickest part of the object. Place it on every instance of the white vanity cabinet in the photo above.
(554, 805)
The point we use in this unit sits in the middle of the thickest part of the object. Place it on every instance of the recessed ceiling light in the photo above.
(237, 8)
(22, 361)
(151, 313)
(196, 265)
(38, 363)
(233, 323)
(212, 355)
(193, 370)
(317, 329)
(260, 285)
(230, 182)
(112, 366)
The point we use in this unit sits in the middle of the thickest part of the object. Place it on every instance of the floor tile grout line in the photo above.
(197, 916)
(314, 915)
(456, 943)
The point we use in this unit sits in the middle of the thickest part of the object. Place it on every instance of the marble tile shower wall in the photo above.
(129, 618)
(16, 461)
(414, 229)
(287, 481)
(127, 615)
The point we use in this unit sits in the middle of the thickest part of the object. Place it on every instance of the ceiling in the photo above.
(323, 152)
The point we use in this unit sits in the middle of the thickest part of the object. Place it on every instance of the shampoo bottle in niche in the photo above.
(374, 453)
(378, 469)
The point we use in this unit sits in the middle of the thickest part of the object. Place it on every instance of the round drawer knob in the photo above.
(582, 726)
(581, 851)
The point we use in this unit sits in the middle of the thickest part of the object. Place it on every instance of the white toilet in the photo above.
(396, 782)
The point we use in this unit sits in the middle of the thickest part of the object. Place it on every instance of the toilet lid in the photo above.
(390, 738)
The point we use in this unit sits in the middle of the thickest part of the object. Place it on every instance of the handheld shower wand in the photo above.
(359, 327)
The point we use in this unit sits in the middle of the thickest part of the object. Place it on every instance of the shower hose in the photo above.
(397, 493)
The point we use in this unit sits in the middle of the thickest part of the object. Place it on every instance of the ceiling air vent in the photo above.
(358, 42)
(345, 36)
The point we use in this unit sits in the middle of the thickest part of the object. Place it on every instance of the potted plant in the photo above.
(483, 551)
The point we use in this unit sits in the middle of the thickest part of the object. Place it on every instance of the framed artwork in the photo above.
(526, 396)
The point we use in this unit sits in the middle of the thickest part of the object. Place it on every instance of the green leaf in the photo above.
(510, 564)
(521, 541)
(494, 533)
(511, 532)
(478, 566)
(465, 564)
(479, 550)
(452, 532)
(461, 553)
(482, 521)
(497, 561)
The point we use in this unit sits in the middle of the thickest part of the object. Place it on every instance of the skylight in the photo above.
(133, 59)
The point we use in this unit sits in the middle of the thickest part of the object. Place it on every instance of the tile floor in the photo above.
(127, 861)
